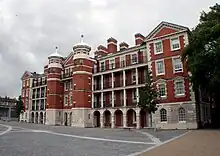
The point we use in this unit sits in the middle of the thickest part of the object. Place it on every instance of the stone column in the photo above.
(101, 99)
(113, 101)
(101, 82)
(124, 119)
(136, 72)
(124, 78)
(9, 113)
(101, 121)
(113, 121)
(137, 95)
(138, 119)
(124, 97)
(112, 80)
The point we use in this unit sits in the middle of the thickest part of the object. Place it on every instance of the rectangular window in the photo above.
(179, 88)
(122, 61)
(102, 66)
(65, 100)
(71, 85)
(160, 67)
(71, 99)
(112, 64)
(162, 89)
(134, 95)
(158, 47)
(177, 65)
(133, 75)
(133, 58)
(175, 43)
(66, 86)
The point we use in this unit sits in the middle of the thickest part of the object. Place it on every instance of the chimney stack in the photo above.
(123, 45)
(101, 51)
(139, 39)
(112, 45)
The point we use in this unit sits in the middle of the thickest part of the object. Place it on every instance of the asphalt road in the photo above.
(24, 139)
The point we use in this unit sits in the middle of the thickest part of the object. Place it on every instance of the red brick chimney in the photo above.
(139, 39)
(123, 45)
(112, 45)
(101, 51)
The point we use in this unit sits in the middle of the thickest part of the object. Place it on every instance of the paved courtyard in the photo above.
(24, 139)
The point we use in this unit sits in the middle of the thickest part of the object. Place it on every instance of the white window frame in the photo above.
(165, 85)
(156, 67)
(71, 100)
(134, 95)
(163, 121)
(103, 62)
(175, 87)
(66, 86)
(71, 85)
(133, 74)
(112, 63)
(171, 43)
(155, 51)
(181, 115)
(173, 62)
(131, 56)
(65, 101)
(122, 61)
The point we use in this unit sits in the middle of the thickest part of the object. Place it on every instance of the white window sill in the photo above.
(160, 74)
(158, 53)
(163, 122)
(180, 95)
(163, 97)
(178, 71)
(182, 121)
(175, 49)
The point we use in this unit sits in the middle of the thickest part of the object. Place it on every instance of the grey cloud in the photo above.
(29, 30)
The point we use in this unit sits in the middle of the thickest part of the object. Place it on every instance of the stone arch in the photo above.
(96, 119)
(41, 117)
(143, 118)
(36, 118)
(107, 118)
(181, 114)
(163, 115)
(118, 118)
(131, 118)
(32, 117)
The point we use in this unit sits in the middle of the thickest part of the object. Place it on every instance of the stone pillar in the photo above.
(136, 72)
(38, 118)
(137, 95)
(113, 101)
(92, 105)
(101, 99)
(138, 119)
(9, 113)
(101, 121)
(101, 82)
(125, 119)
(113, 121)
(124, 97)
(112, 80)
(124, 78)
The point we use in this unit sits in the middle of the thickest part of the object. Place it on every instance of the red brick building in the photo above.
(104, 91)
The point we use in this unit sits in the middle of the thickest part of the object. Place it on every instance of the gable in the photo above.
(165, 28)
(26, 75)
(164, 31)
(68, 60)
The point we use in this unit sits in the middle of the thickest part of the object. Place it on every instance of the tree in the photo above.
(19, 106)
(148, 99)
(202, 55)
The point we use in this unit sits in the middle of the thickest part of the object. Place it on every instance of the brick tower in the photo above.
(54, 90)
(82, 85)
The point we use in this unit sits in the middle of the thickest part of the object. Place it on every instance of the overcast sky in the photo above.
(30, 29)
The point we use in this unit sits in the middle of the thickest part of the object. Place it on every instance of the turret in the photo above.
(54, 89)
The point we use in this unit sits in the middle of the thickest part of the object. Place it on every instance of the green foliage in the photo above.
(203, 52)
(19, 106)
(148, 95)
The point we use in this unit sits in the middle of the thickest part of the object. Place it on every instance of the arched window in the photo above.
(182, 114)
(163, 115)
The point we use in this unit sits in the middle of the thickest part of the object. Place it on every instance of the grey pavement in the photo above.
(24, 140)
